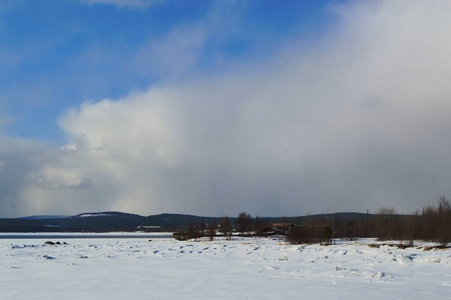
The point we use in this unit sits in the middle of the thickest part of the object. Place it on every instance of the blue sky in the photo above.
(217, 107)
(58, 54)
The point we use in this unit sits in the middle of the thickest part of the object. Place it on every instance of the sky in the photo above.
(276, 108)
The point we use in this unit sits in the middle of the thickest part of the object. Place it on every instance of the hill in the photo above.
(119, 221)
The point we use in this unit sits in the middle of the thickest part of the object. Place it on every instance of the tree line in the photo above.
(244, 225)
(433, 223)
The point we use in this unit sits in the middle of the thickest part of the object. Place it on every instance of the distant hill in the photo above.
(100, 222)
(45, 217)
(119, 221)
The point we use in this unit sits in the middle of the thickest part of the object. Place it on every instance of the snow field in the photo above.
(244, 268)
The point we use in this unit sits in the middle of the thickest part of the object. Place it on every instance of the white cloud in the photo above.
(177, 54)
(18, 157)
(358, 122)
(57, 178)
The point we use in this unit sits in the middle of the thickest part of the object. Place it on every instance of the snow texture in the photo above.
(244, 268)
(92, 215)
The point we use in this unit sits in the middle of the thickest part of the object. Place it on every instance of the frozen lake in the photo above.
(244, 268)
(114, 235)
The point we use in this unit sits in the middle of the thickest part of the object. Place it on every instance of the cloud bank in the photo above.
(356, 121)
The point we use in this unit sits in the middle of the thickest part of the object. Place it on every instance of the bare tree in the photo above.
(193, 231)
(297, 235)
(428, 220)
(384, 226)
(212, 230)
(243, 221)
(226, 227)
(411, 228)
(202, 228)
(444, 221)
(326, 235)
(257, 223)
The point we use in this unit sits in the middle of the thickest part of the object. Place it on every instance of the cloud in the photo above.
(179, 53)
(126, 3)
(358, 121)
(53, 178)
(18, 157)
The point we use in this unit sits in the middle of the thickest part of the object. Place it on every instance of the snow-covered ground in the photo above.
(244, 268)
